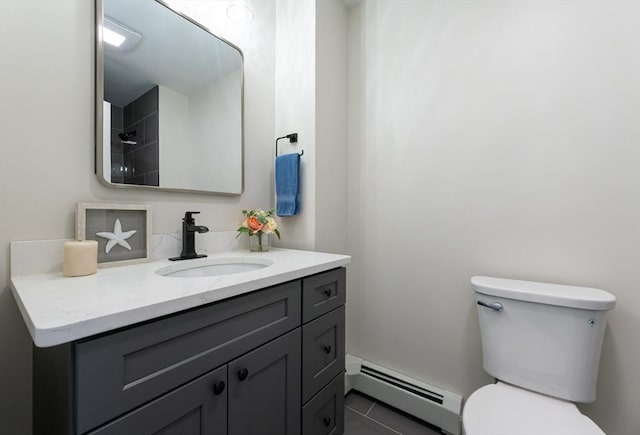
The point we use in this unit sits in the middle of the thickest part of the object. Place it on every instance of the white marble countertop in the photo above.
(59, 310)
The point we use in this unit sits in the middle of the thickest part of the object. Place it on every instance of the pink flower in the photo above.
(254, 224)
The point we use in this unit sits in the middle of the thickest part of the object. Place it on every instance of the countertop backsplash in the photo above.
(46, 256)
(170, 245)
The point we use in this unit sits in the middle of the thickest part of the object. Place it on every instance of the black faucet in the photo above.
(189, 229)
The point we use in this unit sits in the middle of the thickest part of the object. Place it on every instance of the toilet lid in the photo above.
(501, 409)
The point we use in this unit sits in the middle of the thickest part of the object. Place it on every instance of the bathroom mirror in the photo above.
(169, 101)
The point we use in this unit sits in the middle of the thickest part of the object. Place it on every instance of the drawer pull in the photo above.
(327, 292)
(327, 349)
(326, 421)
(218, 387)
(242, 374)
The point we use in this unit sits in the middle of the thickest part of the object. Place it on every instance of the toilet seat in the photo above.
(502, 409)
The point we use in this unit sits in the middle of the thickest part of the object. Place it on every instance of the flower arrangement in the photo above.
(257, 223)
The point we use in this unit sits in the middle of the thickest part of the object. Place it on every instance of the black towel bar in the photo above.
(293, 138)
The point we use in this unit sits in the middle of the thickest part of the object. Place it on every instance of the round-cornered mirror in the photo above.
(169, 101)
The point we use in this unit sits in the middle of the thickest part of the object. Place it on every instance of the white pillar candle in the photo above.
(80, 258)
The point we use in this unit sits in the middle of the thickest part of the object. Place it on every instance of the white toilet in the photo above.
(542, 343)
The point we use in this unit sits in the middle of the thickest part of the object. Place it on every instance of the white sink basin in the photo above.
(213, 267)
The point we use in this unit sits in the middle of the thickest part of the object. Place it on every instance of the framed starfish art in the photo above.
(123, 231)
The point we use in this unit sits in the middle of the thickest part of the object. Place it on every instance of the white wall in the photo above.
(214, 131)
(195, 133)
(176, 155)
(296, 111)
(46, 161)
(311, 99)
(496, 138)
(331, 127)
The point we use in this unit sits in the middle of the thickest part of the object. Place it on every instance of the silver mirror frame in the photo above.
(99, 98)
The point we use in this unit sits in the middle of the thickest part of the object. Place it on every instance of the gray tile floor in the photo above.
(365, 416)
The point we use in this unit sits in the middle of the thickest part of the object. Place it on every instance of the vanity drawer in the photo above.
(324, 414)
(119, 371)
(322, 293)
(322, 351)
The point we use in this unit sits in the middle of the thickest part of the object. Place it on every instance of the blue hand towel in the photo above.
(288, 184)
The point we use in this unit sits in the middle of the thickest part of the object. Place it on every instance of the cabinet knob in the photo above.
(218, 387)
(327, 349)
(326, 421)
(327, 292)
(242, 374)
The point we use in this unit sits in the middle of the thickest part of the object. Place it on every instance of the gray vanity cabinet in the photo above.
(132, 366)
(250, 365)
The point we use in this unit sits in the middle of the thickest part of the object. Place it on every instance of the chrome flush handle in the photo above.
(496, 306)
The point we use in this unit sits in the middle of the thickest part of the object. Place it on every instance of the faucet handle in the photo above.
(188, 218)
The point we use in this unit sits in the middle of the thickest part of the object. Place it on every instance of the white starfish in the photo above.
(117, 237)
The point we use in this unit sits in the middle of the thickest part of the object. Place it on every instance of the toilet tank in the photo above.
(546, 337)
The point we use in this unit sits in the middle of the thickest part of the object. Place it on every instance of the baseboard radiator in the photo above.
(439, 407)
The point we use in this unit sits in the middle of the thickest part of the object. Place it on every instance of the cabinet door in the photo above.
(264, 389)
(197, 408)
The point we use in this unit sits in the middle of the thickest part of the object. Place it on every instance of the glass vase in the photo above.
(259, 243)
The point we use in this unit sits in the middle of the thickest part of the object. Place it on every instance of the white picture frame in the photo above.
(123, 231)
